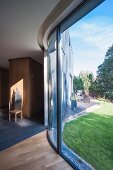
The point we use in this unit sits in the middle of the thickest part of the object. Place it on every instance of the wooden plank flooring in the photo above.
(34, 153)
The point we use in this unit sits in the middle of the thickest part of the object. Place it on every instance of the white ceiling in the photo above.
(20, 21)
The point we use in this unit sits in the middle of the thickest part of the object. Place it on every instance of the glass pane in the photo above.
(87, 90)
(52, 89)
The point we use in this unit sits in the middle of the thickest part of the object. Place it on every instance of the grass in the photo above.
(91, 137)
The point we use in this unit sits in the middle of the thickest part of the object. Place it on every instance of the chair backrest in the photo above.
(16, 101)
(18, 104)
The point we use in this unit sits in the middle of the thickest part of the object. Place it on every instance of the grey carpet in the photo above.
(14, 132)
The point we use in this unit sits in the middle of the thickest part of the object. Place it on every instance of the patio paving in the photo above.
(80, 108)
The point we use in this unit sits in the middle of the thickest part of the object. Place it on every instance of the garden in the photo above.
(91, 134)
(91, 137)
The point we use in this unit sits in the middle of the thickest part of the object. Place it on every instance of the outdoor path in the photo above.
(83, 106)
(80, 108)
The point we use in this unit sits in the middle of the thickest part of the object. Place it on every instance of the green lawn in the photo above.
(91, 137)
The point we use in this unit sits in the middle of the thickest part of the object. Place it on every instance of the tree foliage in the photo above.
(87, 79)
(83, 81)
(105, 75)
(77, 84)
(102, 86)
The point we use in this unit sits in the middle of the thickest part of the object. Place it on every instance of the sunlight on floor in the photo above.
(24, 123)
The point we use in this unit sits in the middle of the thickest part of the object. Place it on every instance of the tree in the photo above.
(105, 75)
(77, 84)
(95, 89)
(109, 52)
(83, 81)
(87, 79)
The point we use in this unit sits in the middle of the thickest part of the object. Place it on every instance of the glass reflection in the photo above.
(52, 89)
(67, 74)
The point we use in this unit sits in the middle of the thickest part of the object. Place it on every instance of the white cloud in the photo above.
(97, 33)
(90, 41)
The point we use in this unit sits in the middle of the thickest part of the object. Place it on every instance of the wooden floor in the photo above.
(34, 153)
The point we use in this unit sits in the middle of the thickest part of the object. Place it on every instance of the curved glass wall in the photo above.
(80, 57)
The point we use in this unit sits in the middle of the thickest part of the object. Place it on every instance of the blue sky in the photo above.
(91, 37)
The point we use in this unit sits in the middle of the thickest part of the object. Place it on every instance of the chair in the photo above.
(15, 112)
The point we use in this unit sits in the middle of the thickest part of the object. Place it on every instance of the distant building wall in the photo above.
(67, 69)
